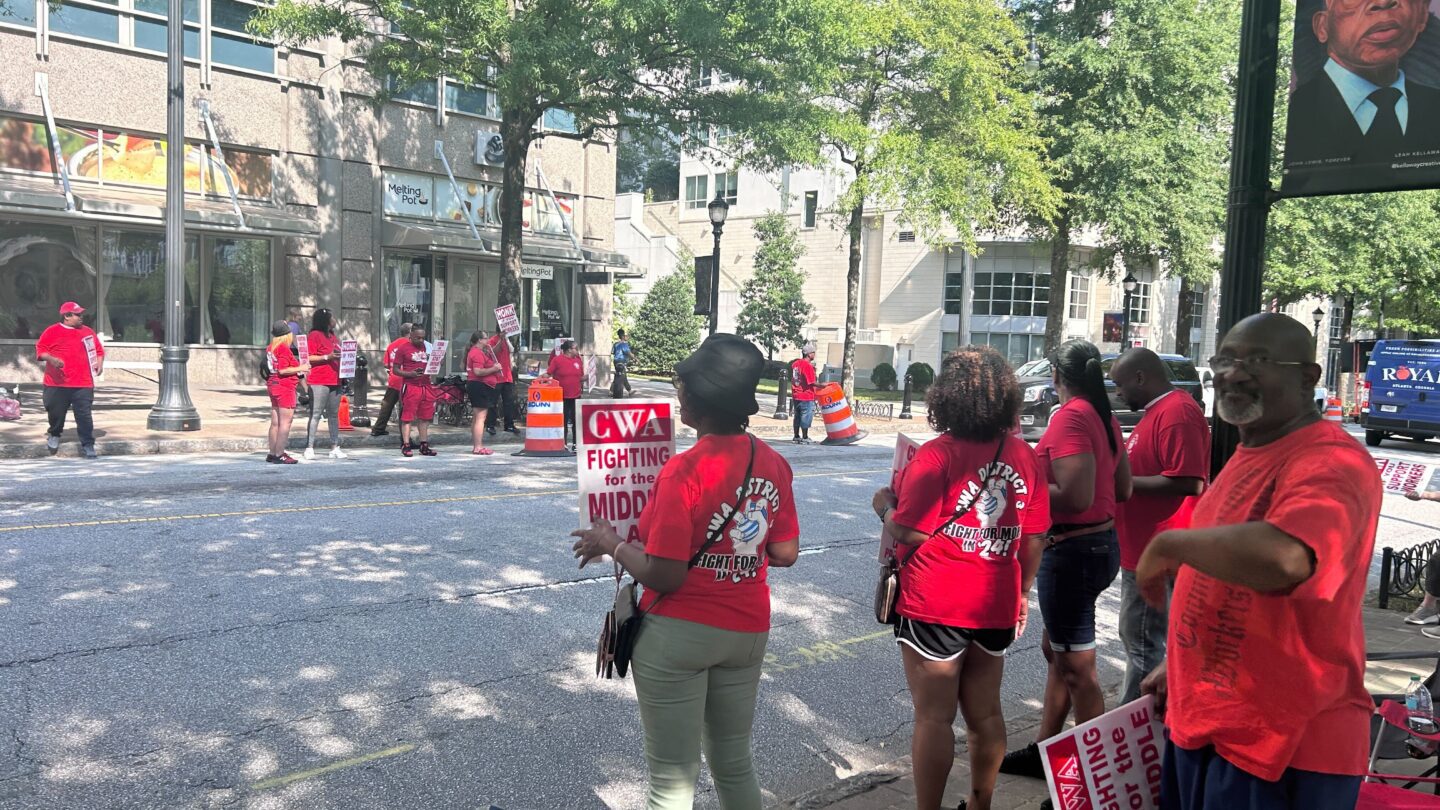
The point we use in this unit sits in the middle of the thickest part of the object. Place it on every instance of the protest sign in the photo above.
(437, 357)
(906, 446)
(1109, 763)
(348, 351)
(302, 348)
(622, 447)
(1400, 477)
(508, 320)
(90, 351)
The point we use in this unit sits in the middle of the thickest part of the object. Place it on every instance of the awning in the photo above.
(395, 234)
(117, 203)
(617, 263)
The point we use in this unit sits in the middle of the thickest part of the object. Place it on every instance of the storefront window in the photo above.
(464, 304)
(238, 293)
(547, 314)
(133, 264)
(407, 292)
(90, 20)
(41, 267)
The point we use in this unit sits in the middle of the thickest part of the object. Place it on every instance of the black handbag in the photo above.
(887, 587)
(622, 622)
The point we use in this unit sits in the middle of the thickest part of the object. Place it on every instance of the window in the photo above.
(18, 12)
(1017, 349)
(812, 205)
(954, 290)
(467, 100)
(1140, 303)
(1337, 320)
(724, 134)
(230, 44)
(949, 342)
(906, 236)
(43, 266)
(1197, 309)
(697, 191)
(558, 120)
(1026, 293)
(700, 76)
(150, 26)
(423, 92)
(1081, 284)
(727, 185)
(84, 18)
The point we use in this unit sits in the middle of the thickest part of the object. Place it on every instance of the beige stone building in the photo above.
(336, 202)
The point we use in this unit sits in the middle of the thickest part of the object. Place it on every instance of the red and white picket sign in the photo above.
(623, 444)
(1109, 763)
(1400, 477)
(906, 446)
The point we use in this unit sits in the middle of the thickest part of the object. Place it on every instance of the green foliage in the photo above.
(883, 377)
(624, 310)
(667, 329)
(649, 163)
(773, 312)
(922, 376)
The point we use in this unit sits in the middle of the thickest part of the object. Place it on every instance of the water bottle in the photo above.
(1420, 712)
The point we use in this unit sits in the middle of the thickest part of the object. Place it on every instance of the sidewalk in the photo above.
(235, 419)
(891, 788)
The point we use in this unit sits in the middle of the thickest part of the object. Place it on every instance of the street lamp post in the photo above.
(1130, 283)
(174, 410)
(719, 210)
(1318, 315)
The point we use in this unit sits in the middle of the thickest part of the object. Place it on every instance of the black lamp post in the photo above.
(1130, 283)
(1318, 315)
(174, 410)
(719, 210)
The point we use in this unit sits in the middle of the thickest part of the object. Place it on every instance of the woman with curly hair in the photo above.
(968, 515)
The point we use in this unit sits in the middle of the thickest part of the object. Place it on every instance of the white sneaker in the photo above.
(1424, 615)
(336, 452)
(309, 454)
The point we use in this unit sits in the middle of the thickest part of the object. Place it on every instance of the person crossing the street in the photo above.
(802, 390)
(393, 383)
(417, 395)
(621, 354)
(73, 356)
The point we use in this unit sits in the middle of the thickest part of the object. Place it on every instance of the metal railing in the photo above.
(1402, 573)
(875, 410)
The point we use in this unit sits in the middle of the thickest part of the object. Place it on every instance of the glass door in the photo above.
(407, 293)
(463, 301)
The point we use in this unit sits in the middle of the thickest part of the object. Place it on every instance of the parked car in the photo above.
(1403, 383)
(1041, 399)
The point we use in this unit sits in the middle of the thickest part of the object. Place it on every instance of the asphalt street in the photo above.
(212, 631)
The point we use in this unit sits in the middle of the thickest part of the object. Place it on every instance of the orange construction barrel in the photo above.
(840, 424)
(545, 422)
(1332, 410)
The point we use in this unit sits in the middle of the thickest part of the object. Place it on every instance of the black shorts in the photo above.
(1073, 573)
(939, 642)
(482, 396)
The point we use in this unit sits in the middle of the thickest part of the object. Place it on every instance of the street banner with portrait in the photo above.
(349, 350)
(1113, 327)
(1364, 98)
(1111, 761)
(622, 446)
(437, 357)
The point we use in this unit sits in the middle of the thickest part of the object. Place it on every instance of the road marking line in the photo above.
(281, 781)
(338, 507)
(822, 652)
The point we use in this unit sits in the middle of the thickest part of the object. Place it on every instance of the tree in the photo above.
(624, 310)
(608, 63)
(924, 109)
(667, 329)
(1135, 108)
(649, 163)
(773, 311)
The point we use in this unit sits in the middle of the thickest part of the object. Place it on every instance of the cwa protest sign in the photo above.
(437, 357)
(906, 446)
(1109, 763)
(302, 348)
(507, 319)
(349, 349)
(1401, 477)
(622, 447)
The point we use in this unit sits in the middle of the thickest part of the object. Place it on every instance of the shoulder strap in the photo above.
(740, 501)
(999, 449)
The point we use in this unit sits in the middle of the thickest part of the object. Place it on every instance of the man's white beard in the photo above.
(1243, 416)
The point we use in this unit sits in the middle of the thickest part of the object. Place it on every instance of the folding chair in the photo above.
(1376, 791)
(1392, 745)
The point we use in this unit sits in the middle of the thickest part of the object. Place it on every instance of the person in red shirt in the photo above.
(1169, 452)
(393, 383)
(802, 390)
(324, 381)
(1265, 677)
(417, 396)
(73, 356)
(482, 374)
(568, 369)
(505, 387)
(284, 377)
(1083, 454)
(703, 564)
(972, 509)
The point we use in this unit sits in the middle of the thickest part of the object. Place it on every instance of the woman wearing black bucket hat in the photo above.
(698, 656)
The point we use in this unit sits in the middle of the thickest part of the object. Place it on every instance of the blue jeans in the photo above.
(1073, 573)
(1204, 780)
(804, 416)
(1142, 631)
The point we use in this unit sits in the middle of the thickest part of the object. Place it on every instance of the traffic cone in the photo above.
(545, 422)
(345, 413)
(840, 424)
(1332, 411)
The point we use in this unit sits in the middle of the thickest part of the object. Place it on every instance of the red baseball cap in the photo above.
(70, 306)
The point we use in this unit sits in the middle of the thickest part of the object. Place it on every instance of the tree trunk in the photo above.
(1182, 318)
(852, 299)
(515, 129)
(1055, 311)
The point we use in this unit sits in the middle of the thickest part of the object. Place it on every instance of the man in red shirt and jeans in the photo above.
(1169, 464)
(1265, 675)
(73, 358)
(802, 389)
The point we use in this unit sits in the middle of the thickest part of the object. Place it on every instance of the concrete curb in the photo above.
(234, 444)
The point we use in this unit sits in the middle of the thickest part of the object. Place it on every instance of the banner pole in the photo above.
(1241, 274)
